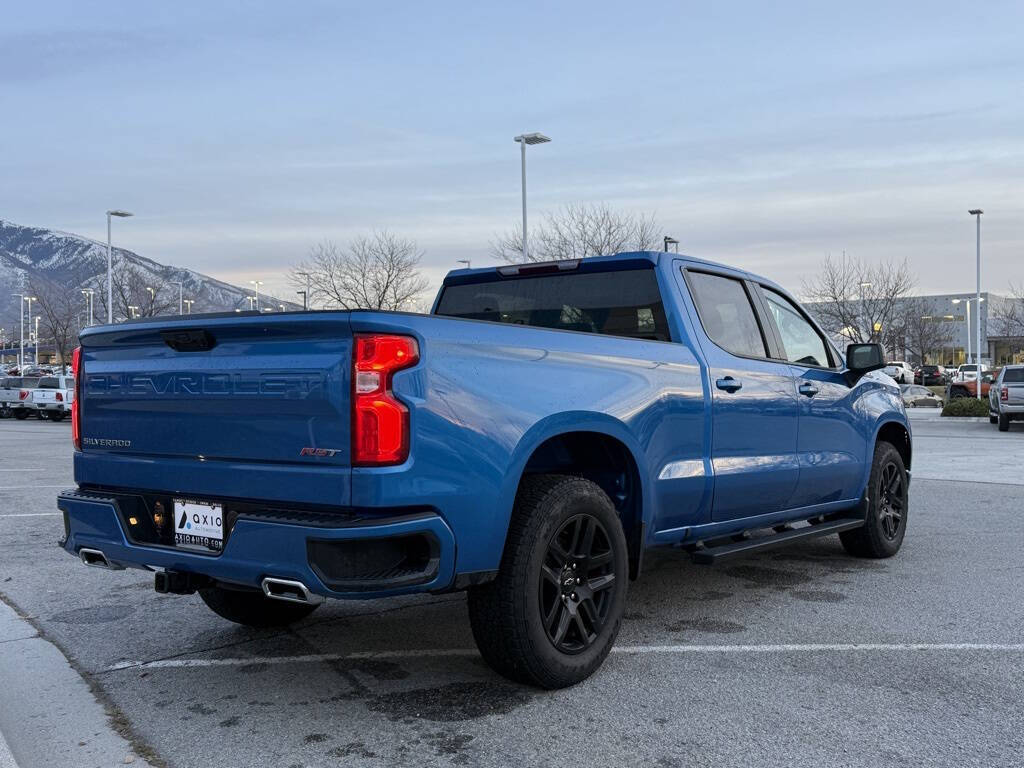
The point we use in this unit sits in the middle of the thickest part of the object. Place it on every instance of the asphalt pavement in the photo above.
(795, 657)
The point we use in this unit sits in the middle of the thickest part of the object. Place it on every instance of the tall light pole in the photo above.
(37, 338)
(181, 294)
(670, 241)
(524, 139)
(305, 293)
(257, 283)
(976, 213)
(467, 262)
(21, 319)
(88, 292)
(189, 302)
(131, 311)
(152, 300)
(303, 300)
(110, 264)
(251, 300)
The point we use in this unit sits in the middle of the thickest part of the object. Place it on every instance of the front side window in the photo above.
(801, 342)
(727, 314)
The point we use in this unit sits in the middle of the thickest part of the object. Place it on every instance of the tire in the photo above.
(21, 414)
(252, 608)
(532, 624)
(1004, 422)
(57, 416)
(887, 506)
(992, 418)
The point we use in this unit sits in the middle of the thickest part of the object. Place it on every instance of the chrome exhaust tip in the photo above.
(96, 559)
(290, 591)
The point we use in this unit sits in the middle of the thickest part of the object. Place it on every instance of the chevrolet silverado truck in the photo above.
(526, 442)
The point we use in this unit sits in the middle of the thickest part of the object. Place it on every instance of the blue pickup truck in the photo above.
(526, 442)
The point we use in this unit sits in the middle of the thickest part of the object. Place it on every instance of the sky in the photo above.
(762, 135)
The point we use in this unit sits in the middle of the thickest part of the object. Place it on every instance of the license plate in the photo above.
(198, 524)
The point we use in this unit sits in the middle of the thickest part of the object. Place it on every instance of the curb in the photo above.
(48, 715)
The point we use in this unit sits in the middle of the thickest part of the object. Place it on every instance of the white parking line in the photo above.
(29, 487)
(314, 658)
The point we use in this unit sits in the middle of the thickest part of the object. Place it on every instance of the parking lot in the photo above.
(795, 657)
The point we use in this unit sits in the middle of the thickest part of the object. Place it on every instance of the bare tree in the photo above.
(134, 294)
(858, 300)
(1007, 316)
(59, 303)
(919, 331)
(578, 231)
(378, 271)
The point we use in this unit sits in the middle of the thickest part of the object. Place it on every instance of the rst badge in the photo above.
(319, 452)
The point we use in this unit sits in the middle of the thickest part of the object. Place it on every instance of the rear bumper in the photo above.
(256, 549)
(1011, 410)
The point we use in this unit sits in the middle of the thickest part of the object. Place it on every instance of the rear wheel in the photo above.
(887, 506)
(21, 414)
(253, 608)
(552, 614)
(57, 416)
(992, 418)
(1004, 422)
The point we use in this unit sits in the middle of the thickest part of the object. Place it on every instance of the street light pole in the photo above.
(257, 283)
(37, 339)
(523, 140)
(190, 302)
(467, 262)
(21, 319)
(976, 213)
(180, 295)
(110, 264)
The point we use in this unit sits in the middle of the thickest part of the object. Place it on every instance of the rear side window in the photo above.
(727, 314)
(1013, 375)
(803, 344)
(620, 303)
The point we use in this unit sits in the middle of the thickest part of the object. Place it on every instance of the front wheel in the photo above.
(552, 614)
(253, 608)
(21, 414)
(887, 506)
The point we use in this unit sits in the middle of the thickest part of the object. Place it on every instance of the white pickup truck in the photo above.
(15, 396)
(53, 396)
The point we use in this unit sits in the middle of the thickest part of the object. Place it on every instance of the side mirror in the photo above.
(861, 359)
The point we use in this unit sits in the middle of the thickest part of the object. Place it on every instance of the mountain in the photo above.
(62, 257)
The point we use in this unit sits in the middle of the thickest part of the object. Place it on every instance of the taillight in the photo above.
(23, 394)
(1004, 393)
(60, 398)
(76, 404)
(380, 423)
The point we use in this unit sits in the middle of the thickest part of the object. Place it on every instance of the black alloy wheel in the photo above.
(575, 583)
(891, 500)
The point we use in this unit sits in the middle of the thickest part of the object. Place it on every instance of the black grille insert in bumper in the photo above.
(364, 565)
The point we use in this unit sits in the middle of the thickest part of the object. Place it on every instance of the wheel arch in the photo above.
(599, 449)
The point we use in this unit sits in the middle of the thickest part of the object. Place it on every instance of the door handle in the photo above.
(729, 384)
(808, 389)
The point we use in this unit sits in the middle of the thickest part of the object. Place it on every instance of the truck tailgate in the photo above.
(249, 393)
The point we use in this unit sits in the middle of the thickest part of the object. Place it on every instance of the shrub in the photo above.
(966, 406)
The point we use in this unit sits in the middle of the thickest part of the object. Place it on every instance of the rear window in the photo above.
(49, 382)
(929, 368)
(1013, 374)
(620, 303)
(29, 382)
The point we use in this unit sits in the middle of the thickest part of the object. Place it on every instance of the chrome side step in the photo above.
(290, 591)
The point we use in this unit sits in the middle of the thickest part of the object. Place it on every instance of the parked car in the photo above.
(916, 396)
(527, 442)
(900, 371)
(53, 396)
(969, 387)
(929, 375)
(1006, 397)
(15, 396)
(966, 372)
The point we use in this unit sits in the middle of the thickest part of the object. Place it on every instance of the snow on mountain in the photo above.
(27, 251)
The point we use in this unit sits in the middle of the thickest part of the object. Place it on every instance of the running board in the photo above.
(709, 555)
